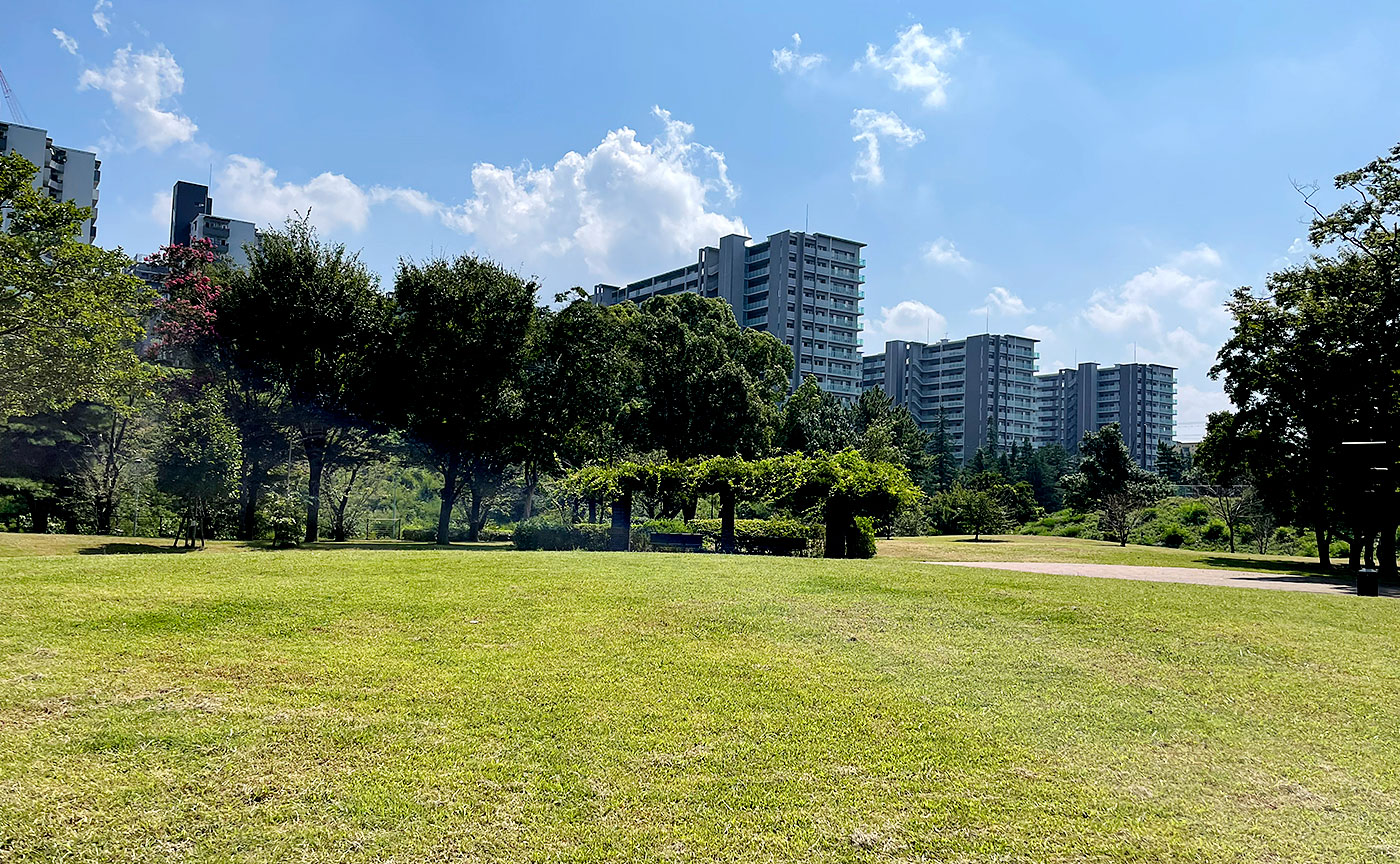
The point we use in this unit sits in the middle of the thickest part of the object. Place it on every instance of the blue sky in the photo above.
(1096, 175)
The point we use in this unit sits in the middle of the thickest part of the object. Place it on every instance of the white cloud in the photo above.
(248, 189)
(914, 62)
(406, 199)
(945, 254)
(99, 18)
(909, 320)
(621, 210)
(1003, 302)
(793, 60)
(68, 42)
(1136, 304)
(139, 83)
(871, 126)
(1299, 246)
(1200, 256)
(1039, 332)
(1194, 405)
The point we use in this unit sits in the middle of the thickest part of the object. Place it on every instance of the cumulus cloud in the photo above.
(1200, 256)
(945, 254)
(624, 209)
(909, 320)
(1003, 302)
(139, 84)
(410, 200)
(68, 42)
(1136, 303)
(916, 60)
(248, 189)
(871, 126)
(99, 17)
(793, 60)
(1299, 246)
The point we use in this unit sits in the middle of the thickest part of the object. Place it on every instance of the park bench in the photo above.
(676, 542)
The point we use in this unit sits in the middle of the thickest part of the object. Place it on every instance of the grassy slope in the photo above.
(456, 705)
(1022, 547)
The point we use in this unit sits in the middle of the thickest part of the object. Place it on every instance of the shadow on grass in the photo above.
(980, 540)
(397, 545)
(134, 549)
(1314, 569)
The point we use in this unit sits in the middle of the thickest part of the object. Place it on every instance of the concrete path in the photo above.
(1190, 575)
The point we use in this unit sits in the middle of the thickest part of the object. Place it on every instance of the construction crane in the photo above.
(16, 112)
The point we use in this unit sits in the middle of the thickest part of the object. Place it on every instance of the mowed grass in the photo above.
(469, 705)
(1024, 547)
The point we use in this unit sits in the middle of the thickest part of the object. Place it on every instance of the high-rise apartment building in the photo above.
(191, 218)
(1140, 397)
(64, 173)
(981, 388)
(803, 288)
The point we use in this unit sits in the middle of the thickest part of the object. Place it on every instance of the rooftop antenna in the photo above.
(16, 112)
(807, 219)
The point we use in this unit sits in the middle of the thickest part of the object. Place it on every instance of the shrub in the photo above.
(1215, 531)
(541, 533)
(1174, 536)
(860, 542)
(418, 535)
(1194, 513)
(777, 536)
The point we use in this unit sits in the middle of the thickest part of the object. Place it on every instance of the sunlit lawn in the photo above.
(383, 704)
(1021, 547)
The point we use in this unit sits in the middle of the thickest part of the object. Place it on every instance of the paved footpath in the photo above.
(1190, 575)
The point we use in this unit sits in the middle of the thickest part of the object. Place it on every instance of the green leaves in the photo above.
(70, 317)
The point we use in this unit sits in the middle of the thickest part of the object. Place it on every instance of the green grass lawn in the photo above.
(479, 705)
(1024, 547)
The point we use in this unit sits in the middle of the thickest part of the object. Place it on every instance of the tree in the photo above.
(814, 420)
(886, 432)
(580, 372)
(70, 317)
(196, 459)
(306, 319)
(187, 335)
(943, 464)
(1312, 360)
(708, 386)
(1171, 464)
(1110, 482)
(1220, 468)
(841, 486)
(460, 330)
(978, 512)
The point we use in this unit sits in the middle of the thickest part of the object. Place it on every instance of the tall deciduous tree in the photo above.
(1110, 482)
(460, 330)
(196, 459)
(708, 386)
(306, 319)
(70, 317)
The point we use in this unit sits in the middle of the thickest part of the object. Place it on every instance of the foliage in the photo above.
(1110, 482)
(541, 533)
(196, 459)
(708, 386)
(70, 316)
(860, 538)
(306, 319)
(460, 331)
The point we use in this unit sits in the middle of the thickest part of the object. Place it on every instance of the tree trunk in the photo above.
(1385, 551)
(688, 508)
(1370, 551)
(838, 520)
(315, 448)
(1354, 551)
(40, 514)
(475, 518)
(1324, 545)
(250, 490)
(532, 480)
(620, 537)
(726, 520)
(449, 499)
(592, 511)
